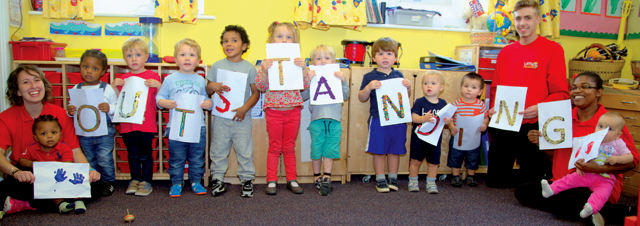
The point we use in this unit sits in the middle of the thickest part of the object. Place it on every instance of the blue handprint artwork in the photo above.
(78, 178)
(60, 175)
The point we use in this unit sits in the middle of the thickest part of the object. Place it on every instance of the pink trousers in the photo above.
(282, 127)
(599, 185)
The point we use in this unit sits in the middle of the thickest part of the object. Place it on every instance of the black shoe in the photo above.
(217, 187)
(318, 182)
(107, 189)
(247, 188)
(382, 186)
(326, 187)
(471, 182)
(393, 184)
(456, 182)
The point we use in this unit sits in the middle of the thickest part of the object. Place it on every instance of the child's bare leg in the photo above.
(317, 163)
(379, 163)
(414, 167)
(455, 171)
(432, 170)
(471, 172)
(328, 166)
(393, 162)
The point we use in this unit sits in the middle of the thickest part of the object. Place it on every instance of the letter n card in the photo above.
(393, 102)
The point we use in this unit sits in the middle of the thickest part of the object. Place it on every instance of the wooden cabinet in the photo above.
(483, 56)
(65, 74)
(360, 162)
(627, 104)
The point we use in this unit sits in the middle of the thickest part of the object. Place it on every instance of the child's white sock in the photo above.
(586, 211)
(546, 189)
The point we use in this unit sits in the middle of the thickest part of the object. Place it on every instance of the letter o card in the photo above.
(325, 87)
(88, 120)
(232, 99)
(554, 121)
(393, 102)
(508, 102)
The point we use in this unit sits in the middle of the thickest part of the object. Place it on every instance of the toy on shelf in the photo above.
(500, 21)
(151, 33)
(475, 15)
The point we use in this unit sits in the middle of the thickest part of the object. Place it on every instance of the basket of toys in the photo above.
(482, 37)
(602, 61)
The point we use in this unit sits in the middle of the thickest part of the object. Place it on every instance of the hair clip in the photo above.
(276, 22)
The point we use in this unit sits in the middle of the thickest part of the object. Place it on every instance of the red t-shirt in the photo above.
(561, 157)
(149, 124)
(539, 66)
(60, 153)
(15, 128)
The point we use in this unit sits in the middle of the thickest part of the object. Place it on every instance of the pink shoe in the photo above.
(13, 206)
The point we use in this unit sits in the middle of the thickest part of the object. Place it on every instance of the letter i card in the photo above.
(554, 121)
(509, 101)
(393, 102)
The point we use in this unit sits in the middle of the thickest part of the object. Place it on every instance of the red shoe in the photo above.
(13, 206)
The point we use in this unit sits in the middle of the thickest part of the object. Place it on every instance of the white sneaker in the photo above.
(432, 188)
(413, 186)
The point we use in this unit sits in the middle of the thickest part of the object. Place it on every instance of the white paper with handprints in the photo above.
(132, 102)
(232, 99)
(509, 101)
(59, 180)
(186, 118)
(468, 136)
(325, 87)
(587, 147)
(88, 121)
(283, 73)
(393, 102)
(430, 131)
(554, 122)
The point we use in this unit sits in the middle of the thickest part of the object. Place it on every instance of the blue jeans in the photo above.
(181, 151)
(99, 153)
(140, 159)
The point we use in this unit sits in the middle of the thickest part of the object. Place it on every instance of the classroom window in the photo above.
(131, 7)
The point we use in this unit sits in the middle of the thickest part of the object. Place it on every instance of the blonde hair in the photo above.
(385, 44)
(618, 121)
(274, 26)
(433, 73)
(135, 42)
(527, 3)
(322, 48)
(191, 43)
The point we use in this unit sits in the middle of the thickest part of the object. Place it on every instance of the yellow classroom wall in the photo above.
(25, 31)
(255, 17)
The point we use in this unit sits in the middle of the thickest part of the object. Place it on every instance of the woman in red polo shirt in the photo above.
(28, 92)
(585, 92)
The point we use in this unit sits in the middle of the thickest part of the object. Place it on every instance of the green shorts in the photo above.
(325, 138)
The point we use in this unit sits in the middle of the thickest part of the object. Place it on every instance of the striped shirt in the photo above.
(469, 109)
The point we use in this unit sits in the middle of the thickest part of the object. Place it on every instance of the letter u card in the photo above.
(554, 122)
(88, 120)
(186, 118)
(393, 102)
(509, 101)
(325, 87)
(132, 102)
(232, 99)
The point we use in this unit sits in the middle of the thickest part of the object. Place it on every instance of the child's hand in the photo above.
(311, 74)
(168, 104)
(218, 88)
(104, 107)
(240, 113)
(579, 172)
(71, 110)
(375, 84)
(300, 62)
(428, 117)
(406, 83)
(266, 64)
(453, 129)
(482, 128)
(206, 104)
(612, 160)
(340, 75)
(492, 111)
(117, 82)
(152, 83)
(534, 136)
(447, 120)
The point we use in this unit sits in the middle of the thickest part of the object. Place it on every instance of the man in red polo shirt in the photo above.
(537, 63)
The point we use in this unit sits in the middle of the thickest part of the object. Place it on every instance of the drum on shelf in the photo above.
(356, 50)
(397, 63)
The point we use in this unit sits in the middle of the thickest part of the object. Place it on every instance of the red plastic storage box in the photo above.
(44, 51)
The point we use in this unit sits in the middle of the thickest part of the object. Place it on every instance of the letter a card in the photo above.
(325, 87)
(393, 102)
(186, 118)
(554, 121)
(509, 101)
(283, 73)
(232, 99)
(88, 120)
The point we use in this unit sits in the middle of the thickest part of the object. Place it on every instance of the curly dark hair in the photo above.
(95, 53)
(12, 84)
(44, 118)
(243, 35)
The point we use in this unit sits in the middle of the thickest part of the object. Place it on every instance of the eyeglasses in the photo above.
(582, 87)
